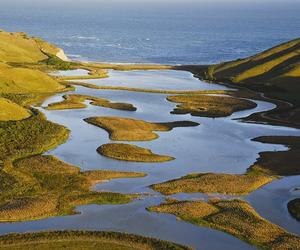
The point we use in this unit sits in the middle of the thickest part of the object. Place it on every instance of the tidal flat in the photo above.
(210, 153)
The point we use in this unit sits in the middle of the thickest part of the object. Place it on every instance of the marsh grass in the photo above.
(42, 186)
(235, 217)
(127, 129)
(128, 152)
(232, 184)
(30, 136)
(85, 240)
(74, 101)
(209, 106)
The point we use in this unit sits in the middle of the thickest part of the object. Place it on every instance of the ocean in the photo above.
(184, 34)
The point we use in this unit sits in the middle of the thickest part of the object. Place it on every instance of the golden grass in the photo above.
(233, 184)
(264, 67)
(282, 163)
(24, 80)
(84, 240)
(11, 111)
(74, 101)
(294, 208)
(42, 186)
(127, 66)
(18, 47)
(235, 217)
(209, 106)
(127, 129)
(128, 152)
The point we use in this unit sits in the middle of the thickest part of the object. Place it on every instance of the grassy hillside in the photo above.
(24, 80)
(282, 60)
(11, 111)
(274, 72)
(18, 47)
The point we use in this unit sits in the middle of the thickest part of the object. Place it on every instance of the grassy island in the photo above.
(233, 184)
(85, 240)
(209, 106)
(42, 186)
(294, 208)
(126, 129)
(128, 152)
(74, 101)
(235, 217)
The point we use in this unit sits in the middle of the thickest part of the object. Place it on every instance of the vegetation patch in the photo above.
(75, 101)
(85, 240)
(233, 184)
(127, 66)
(126, 129)
(41, 186)
(128, 152)
(24, 80)
(11, 111)
(18, 47)
(294, 208)
(282, 163)
(31, 136)
(209, 106)
(235, 217)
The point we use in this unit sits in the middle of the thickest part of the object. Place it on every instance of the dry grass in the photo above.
(209, 106)
(23, 80)
(235, 217)
(232, 184)
(11, 111)
(84, 240)
(282, 163)
(126, 129)
(18, 47)
(75, 101)
(127, 66)
(128, 152)
(42, 186)
(294, 208)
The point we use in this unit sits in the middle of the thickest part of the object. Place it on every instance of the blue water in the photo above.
(183, 34)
